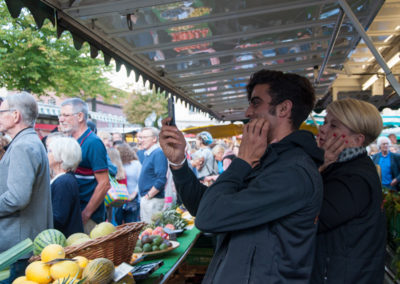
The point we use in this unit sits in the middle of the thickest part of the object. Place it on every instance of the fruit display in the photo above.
(57, 269)
(152, 240)
(47, 237)
(185, 215)
(169, 217)
(98, 271)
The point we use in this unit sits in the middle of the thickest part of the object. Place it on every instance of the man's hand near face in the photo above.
(254, 141)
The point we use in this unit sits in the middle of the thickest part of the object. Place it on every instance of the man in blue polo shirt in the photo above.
(92, 172)
(153, 175)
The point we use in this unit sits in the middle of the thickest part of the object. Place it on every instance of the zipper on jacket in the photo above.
(327, 260)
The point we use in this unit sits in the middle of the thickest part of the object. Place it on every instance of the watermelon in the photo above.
(47, 237)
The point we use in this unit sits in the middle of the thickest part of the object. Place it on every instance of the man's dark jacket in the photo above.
(351, 236)
(394, 166)
(264, 218)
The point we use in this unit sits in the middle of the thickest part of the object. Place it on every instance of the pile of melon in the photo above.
(53, 236)
(55, 268)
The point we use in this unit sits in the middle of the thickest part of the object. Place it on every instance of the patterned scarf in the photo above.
(350, 153)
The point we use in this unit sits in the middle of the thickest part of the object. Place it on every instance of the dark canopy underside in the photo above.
(203, 51)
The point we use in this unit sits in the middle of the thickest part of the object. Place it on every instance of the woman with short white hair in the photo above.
(64, 155)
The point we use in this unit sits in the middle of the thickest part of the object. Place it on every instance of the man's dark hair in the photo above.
(286, 86)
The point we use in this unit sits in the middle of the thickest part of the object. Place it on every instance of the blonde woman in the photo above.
(352, 228)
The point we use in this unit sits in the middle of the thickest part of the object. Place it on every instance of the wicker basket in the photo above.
(117, 246)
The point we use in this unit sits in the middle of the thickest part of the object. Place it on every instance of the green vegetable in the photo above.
(13, 254)
(170, 217)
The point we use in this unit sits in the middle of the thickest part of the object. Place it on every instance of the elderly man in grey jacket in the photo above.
(25, 202)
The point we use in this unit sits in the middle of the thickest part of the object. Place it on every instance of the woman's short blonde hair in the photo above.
(359, 116)
(67, 151)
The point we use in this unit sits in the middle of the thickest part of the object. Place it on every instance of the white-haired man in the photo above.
(153, 175)
(389, 163)
(92, 172)
(25, 201)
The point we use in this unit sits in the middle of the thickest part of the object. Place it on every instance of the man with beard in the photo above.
(264, 207)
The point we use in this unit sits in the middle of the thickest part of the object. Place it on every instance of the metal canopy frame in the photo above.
(203, 51)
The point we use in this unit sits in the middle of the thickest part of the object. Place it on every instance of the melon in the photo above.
(77, 238)
(48, 237)
(19, 280)
(38, 272)
(66, 280)
(64, 269)
(102, 229)
(98, 271)
(52, 252)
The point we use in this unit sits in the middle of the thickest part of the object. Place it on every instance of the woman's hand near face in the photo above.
(333, 146)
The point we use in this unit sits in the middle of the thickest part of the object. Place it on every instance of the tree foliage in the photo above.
(140, 104)
(35, 60)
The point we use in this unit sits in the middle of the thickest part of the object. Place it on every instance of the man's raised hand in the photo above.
(254, 141)
(172, 142)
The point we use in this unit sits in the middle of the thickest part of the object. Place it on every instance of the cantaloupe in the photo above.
(98, 271)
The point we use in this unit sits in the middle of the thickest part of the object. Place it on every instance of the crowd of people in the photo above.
(285, 206)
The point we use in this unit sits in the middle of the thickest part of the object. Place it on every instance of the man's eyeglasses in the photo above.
(144, 137)
(67, 115)
(7, 110)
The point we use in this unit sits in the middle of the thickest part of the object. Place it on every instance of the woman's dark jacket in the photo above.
(66, 206)
(264, 218)
(352, 227)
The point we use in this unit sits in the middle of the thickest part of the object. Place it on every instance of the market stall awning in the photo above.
(217, 131)
(229, 130)
(203, 51)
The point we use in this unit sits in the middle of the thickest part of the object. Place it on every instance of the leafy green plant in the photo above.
(34, 60)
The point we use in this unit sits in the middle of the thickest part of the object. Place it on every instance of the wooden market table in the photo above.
(172, 259)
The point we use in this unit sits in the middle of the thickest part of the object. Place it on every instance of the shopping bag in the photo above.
(117, 195)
